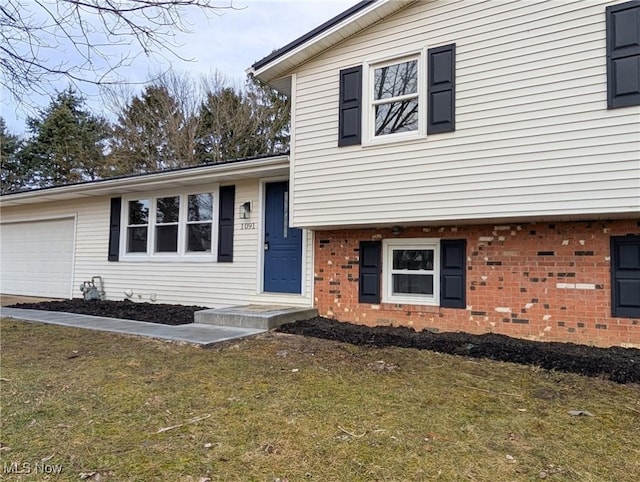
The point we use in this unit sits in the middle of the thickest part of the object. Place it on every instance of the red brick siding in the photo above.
(523, 280)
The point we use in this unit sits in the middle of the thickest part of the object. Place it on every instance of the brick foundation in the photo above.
(540, 281)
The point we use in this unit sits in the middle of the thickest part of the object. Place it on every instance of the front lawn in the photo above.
(109, 407)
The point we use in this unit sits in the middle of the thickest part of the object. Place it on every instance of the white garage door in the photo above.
(37, 258)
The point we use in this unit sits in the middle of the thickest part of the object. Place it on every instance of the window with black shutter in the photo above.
(625, 276)
(424, 271)
(623, 54)
(406, 97)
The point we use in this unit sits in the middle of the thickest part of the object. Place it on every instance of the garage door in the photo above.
(36, 258)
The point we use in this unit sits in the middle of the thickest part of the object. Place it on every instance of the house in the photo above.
(455, 165)
(196, 235)
(471, 165)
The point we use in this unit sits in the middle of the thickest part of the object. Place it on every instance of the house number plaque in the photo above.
(248, 226)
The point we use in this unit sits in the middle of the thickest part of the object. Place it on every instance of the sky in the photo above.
(229, 42)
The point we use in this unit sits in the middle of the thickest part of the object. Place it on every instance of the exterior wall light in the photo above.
(245, 210)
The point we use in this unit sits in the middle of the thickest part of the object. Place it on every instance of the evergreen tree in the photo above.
(13, 176)
(67, 143)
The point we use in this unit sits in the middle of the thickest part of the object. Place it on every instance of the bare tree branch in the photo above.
(86, 41)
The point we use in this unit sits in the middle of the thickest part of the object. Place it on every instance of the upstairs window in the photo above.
(399, 99)
(396, 98)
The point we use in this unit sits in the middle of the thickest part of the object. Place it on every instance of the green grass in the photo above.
(286, 407)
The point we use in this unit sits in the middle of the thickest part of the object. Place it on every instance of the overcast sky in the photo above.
(229, 43)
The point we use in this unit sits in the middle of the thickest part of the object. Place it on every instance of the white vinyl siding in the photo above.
(186, 282)
(533, 134)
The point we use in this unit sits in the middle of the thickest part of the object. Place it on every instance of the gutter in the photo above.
(196, 175)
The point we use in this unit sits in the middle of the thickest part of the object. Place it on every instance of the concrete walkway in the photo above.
(195, 333)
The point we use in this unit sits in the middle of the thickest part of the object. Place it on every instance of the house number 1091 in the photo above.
(248, 226)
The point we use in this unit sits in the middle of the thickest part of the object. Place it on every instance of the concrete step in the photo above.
(263, 317)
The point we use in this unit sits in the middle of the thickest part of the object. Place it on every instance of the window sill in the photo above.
(410, 301)
(169, 259)
(393, 140)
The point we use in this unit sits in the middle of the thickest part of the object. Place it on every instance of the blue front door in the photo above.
(282, 244)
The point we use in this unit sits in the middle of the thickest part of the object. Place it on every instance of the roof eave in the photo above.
(218, 173)
(282, 62)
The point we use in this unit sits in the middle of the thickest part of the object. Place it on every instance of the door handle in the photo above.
(266, 246)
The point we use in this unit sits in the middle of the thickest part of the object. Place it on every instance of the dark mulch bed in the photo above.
(129, 310)
(621, 365)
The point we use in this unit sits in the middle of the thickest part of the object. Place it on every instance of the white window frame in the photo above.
(125, 222)
(369, 116)
(184, 220)
(156, 224)
(388, 246)
(182, 254)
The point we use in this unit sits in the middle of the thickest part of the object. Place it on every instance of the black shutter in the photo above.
(114, 229)
(225, 224)
(441, 89)
(623, 54)
(350, 118)
(453, 257)
(625, 276)
(370, 264)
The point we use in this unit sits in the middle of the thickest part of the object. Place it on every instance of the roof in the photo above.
(276, 66)
(310, 35)
(222, 172)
